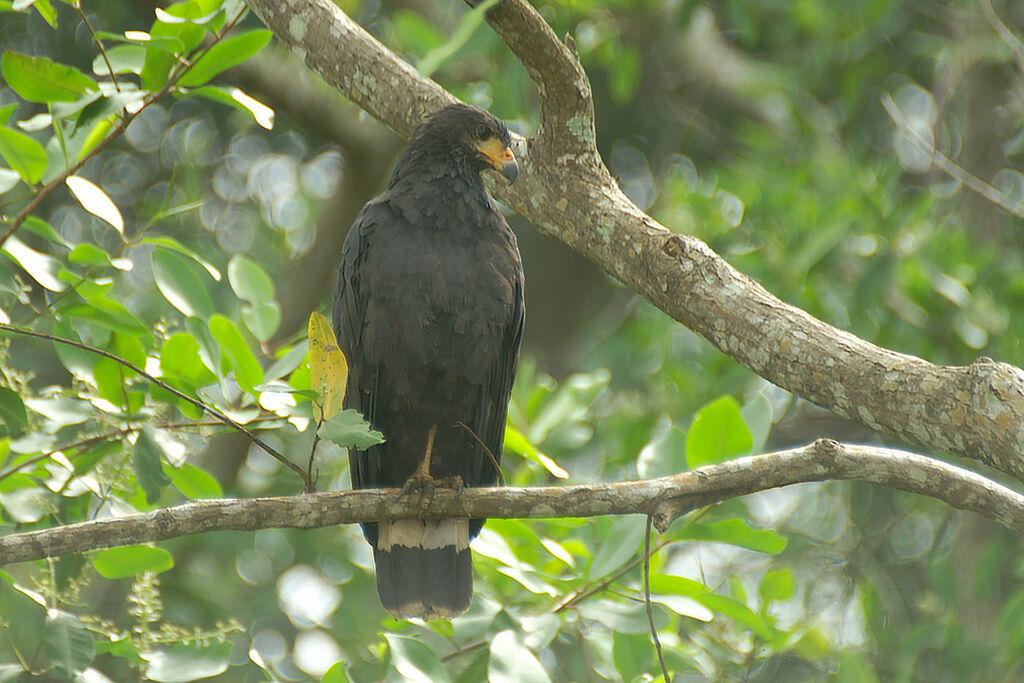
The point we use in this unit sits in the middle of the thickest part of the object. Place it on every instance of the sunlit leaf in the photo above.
(38, 79)
(327, 366)
(122, 58)
(9, 179)
(120, 563)
(516, 442)
(42, 268)
(234, 97)
(95, 201)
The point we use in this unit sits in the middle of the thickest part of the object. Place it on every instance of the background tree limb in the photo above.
(664, 499)
(566, 191)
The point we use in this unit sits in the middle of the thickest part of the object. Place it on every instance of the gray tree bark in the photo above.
(664, 499)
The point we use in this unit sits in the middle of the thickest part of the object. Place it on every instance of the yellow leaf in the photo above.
(328, 368)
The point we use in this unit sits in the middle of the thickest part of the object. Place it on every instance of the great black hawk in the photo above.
(429, 313)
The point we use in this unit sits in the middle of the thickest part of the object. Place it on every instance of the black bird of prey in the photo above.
(429, 313)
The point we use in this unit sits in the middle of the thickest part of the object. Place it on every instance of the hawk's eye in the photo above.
(483, 132)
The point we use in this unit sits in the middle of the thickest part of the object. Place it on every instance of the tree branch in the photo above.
(566, 191)
(663, 499)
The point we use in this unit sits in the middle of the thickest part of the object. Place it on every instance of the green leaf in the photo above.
(67, 643)
(89, 254)
(736, 532)
(262, 319)
(180, 357)
(512, 662)
(147, 459)
(226, 54)
(23, 154)
(120, 563)
(777, 584)
(414, 660)
(38, 79)
(248, 372)
(46, 11)
(180, 663)
(348, 428)
(7, 111)
(718, 433)
(161, 57)
(193, 482)
(249, 281)
(12, 412)
(336, 674)
(181, 284)
(618, 545)
(109, 314)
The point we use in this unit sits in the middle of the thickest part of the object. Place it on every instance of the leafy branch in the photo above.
(208, 409)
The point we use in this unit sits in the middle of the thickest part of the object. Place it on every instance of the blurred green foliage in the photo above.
(756, 125)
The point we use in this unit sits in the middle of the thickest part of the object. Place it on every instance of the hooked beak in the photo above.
(501, 158)
(509, 168)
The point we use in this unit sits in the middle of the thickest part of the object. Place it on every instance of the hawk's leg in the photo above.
(420, 480)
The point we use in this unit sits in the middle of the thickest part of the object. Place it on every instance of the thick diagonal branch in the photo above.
(664, 499)
(567, 192)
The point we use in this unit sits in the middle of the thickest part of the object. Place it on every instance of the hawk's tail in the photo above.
(424, 568)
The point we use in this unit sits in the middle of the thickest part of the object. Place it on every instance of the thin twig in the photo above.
(494, 461)
(213, 412)
(647, 599)
(99, 44)
(950, 167)
(1011, 41)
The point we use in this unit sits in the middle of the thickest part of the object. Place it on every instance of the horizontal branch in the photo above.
(663, 499)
